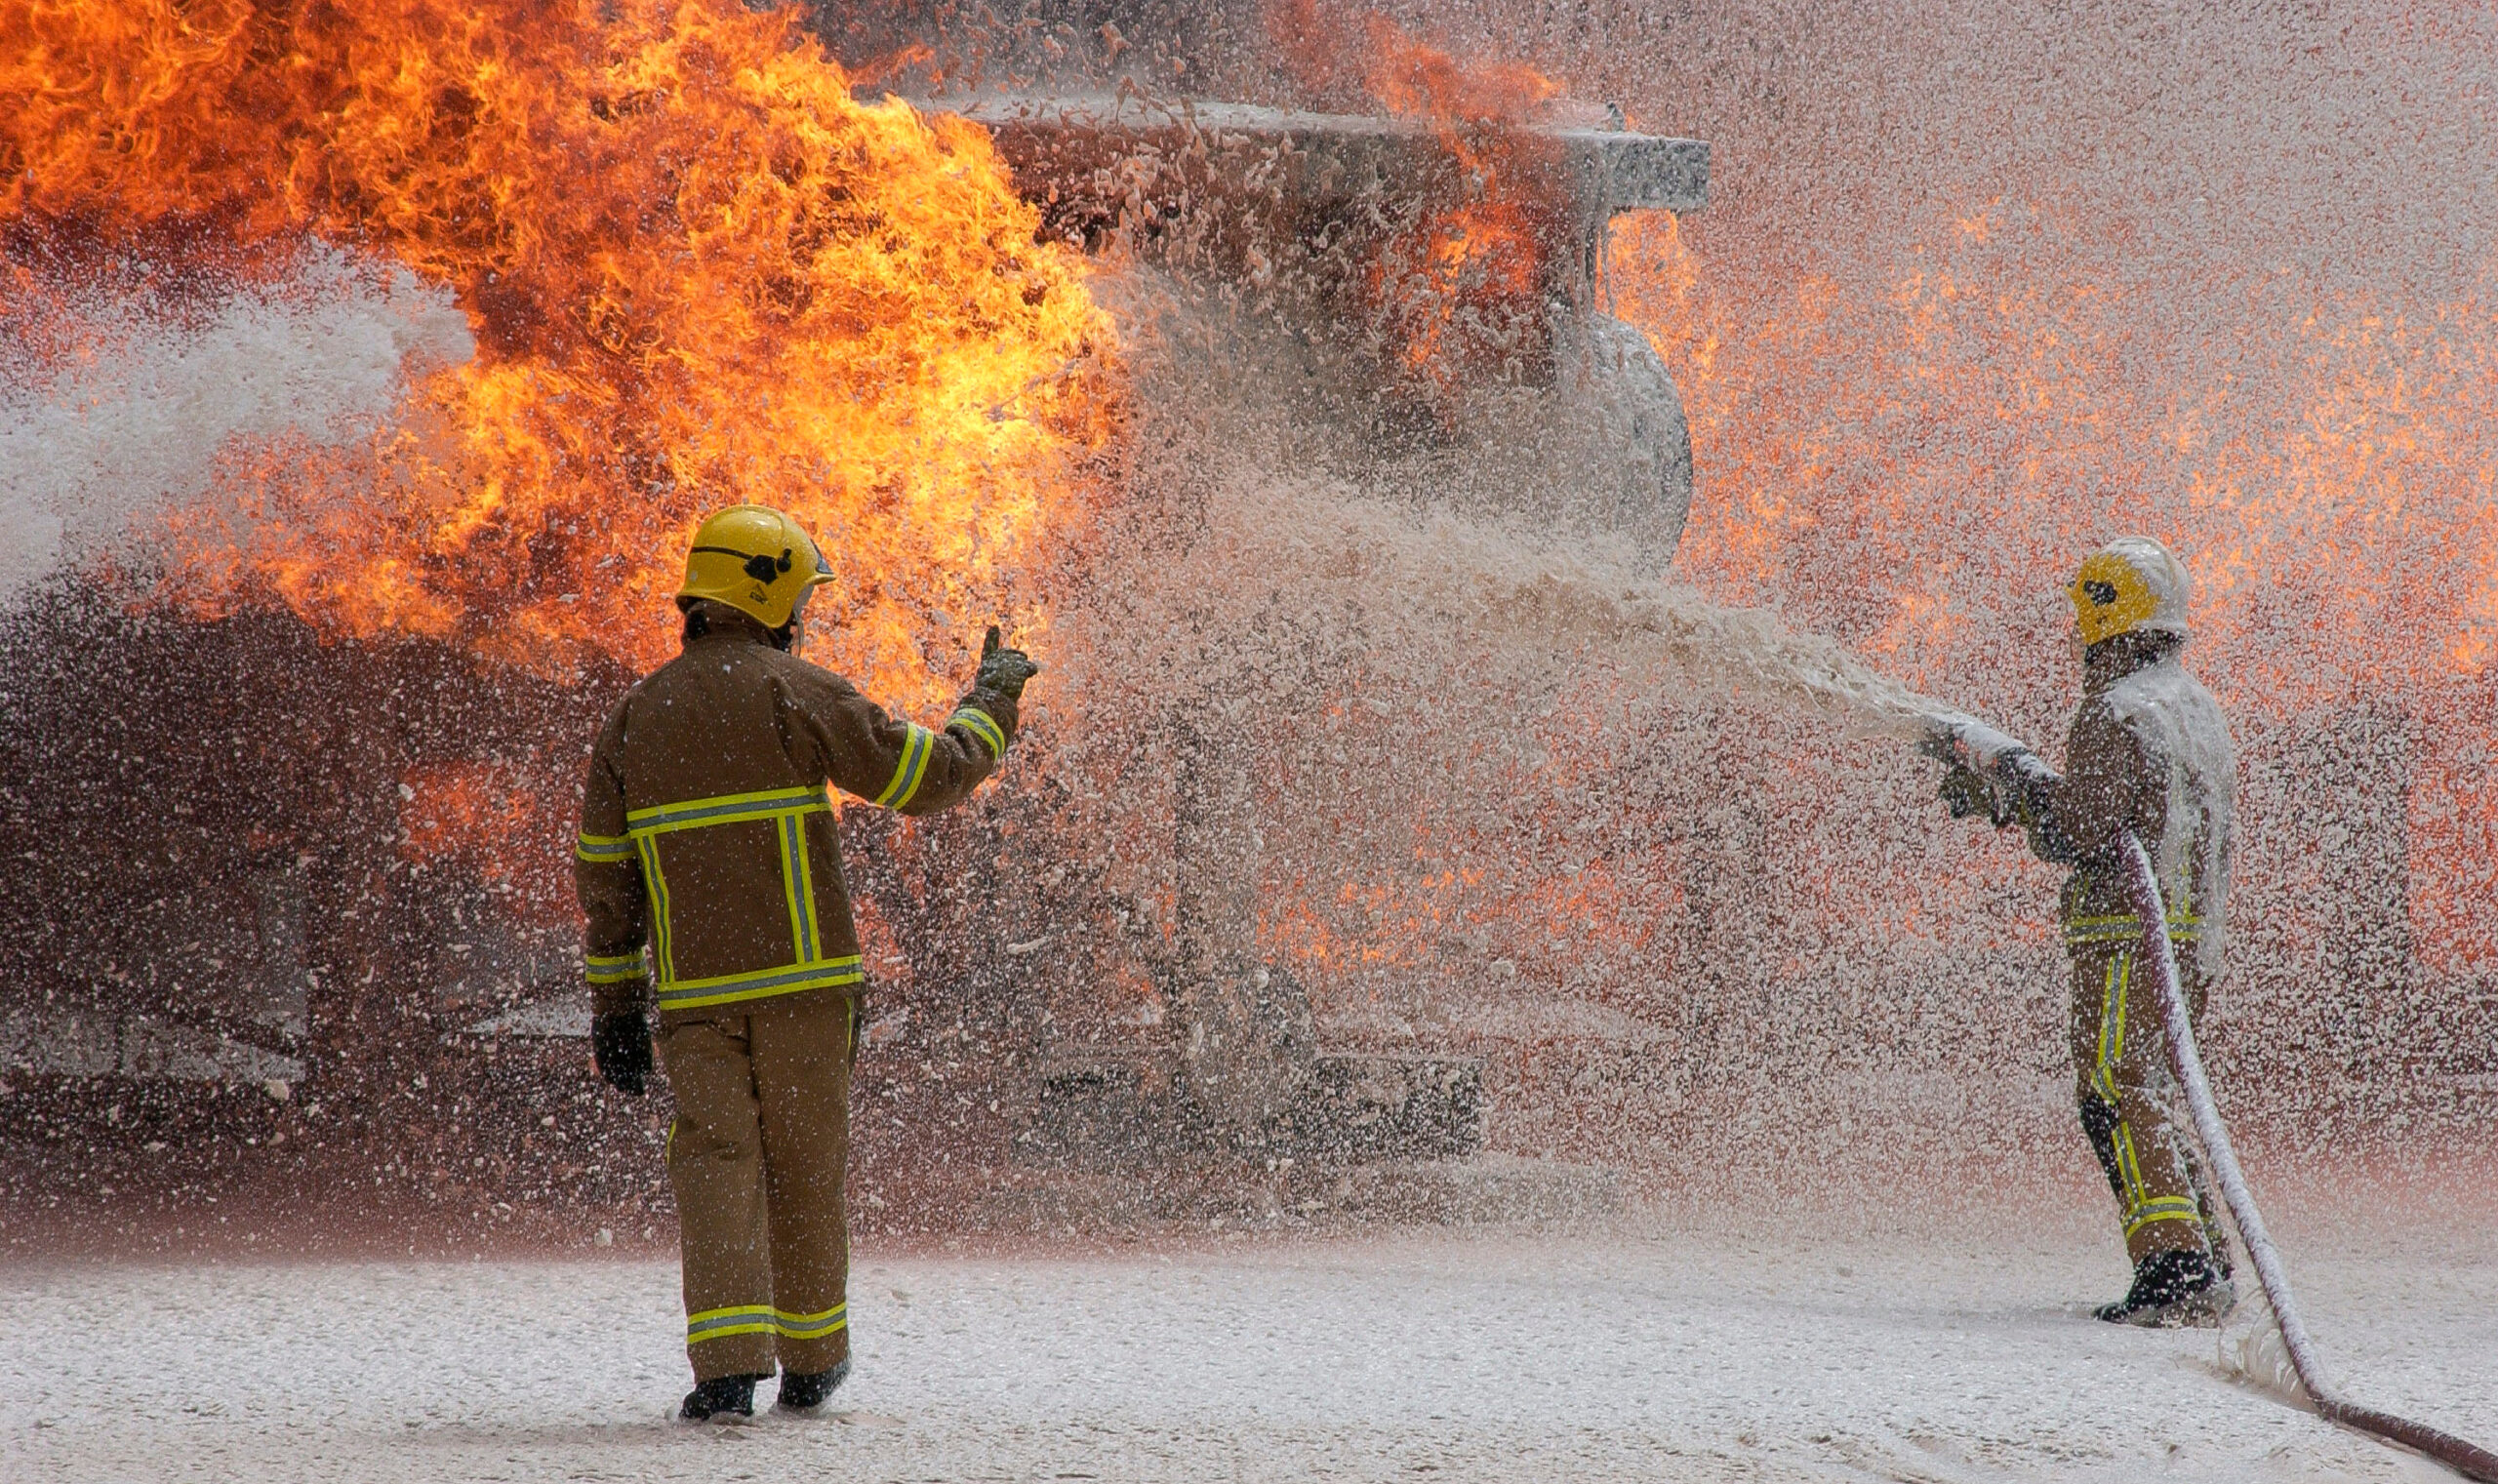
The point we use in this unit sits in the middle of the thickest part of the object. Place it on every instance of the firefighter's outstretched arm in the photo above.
(1994, 773)
(899, 764)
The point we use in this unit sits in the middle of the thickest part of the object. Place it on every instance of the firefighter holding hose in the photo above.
(711, 875)
(2149, 755)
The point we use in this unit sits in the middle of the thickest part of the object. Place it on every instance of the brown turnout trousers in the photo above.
(757, 1158)
(2129, 1100)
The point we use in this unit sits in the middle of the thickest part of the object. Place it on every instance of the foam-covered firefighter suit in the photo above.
(710, 873)
(2148, 751)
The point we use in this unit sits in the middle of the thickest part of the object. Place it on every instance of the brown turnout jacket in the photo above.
(708, 837)
(2148, 751)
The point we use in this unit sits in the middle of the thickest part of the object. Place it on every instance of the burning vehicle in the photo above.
(369, 660)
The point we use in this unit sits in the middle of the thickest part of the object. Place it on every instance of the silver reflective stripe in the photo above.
(601, 849)
(662, 928)
(2165, 1208)
(606, 969)
(719, 1323)
(2111, 1024)
(982, 725)
(2089, 930)
(811, 1326)
(726, 809)
(798, 884)
(689, 994)
(908, 768)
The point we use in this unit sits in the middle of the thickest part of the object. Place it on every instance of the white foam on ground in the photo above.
(324, 352)
(1747, 1355)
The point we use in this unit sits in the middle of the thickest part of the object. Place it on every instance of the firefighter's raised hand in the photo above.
(620, 1043)
(1003, 670)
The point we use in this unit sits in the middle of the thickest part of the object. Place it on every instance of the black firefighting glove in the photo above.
(1966, 793)
(622, 1044)
(1003, 670)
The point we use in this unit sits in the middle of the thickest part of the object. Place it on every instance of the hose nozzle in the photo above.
(1986, 771)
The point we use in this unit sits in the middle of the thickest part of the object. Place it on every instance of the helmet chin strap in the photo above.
(790, 636)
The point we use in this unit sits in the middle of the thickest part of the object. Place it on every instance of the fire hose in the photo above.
(2465, 1459)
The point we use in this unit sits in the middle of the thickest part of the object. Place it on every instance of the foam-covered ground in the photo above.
(1486, 1356)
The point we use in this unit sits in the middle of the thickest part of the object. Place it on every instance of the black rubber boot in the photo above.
(2173, 1290)
(807, 1392)
(722, 1398)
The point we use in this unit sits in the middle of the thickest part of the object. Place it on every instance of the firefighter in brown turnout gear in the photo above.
(2149, 754)
(711, 875)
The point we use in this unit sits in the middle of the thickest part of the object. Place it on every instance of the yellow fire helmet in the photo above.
(2130, 585)
(755, 559)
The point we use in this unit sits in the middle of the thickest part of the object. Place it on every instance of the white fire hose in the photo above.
(2143, 888)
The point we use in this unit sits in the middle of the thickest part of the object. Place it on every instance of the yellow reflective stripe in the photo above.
(726, 809)
(805, 891)
(2166, 1207)
(2091, 930)
(787, 807)
(811, 1326)
(720, 1323)
(792, 846)
(662, 937)
(981, 724)
(2173, 1204)
(611, 967)
(2112, 1025)
(599, 850)
(908, 768)
(760, 983)
(2128, 1169)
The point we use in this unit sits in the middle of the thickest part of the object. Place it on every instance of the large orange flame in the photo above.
(1462, 294)
(698, 271)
